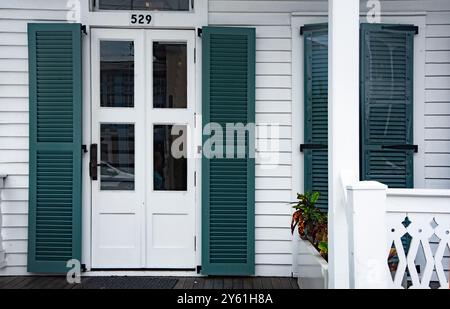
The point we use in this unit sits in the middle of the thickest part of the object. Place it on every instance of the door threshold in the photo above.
(142, 272)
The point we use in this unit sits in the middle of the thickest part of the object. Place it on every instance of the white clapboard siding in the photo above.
(437, 106)
(272, 20)
(14, 16)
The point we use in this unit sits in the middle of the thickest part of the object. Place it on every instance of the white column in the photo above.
(343, 129)
(368, 238)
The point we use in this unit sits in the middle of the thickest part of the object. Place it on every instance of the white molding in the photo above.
(163, 20)
(160, 19)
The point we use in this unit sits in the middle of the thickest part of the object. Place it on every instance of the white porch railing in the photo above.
(2, 252)
(399, 238)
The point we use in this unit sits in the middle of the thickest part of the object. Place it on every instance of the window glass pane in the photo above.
(145, 5)
(117, 157)
(116, 74)
(169, 75)
(169, 158)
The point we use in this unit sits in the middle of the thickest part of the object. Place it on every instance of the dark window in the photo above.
(145, 5)
(117, 156)
(169, 75)
(116, 74)
(169, 158)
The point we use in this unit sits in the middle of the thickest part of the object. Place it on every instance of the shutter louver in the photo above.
(316, 110)
(228, 183)
(55, 146)
(387, 104)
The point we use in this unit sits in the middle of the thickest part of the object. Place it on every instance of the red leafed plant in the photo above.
(311, 222)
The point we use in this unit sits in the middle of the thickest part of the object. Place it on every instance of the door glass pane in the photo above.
(169, 75)
(147, 5)
(117, 156)
(169, 158)
(116, 74)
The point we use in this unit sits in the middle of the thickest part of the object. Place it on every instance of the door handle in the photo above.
(312, 146)
(93, 163)
(402, 147)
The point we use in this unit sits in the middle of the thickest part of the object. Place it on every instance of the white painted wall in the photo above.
(272, 19)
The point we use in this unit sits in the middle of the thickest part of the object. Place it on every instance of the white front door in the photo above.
(143, 109)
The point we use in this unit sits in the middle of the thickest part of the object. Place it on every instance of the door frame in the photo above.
(87, 199)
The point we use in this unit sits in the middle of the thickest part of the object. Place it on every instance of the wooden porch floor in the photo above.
(48, 282)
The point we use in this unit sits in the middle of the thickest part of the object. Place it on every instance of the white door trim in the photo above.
(173, 116)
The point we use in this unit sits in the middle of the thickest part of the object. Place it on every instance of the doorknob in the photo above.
(93, 163)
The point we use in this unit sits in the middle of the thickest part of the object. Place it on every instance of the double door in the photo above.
(143, 113)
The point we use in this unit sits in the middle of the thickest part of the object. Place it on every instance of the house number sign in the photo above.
(138, 19)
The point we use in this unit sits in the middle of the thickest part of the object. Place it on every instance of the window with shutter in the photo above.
(55, 146)
(387, 104)
(228, 191)
(316, 111)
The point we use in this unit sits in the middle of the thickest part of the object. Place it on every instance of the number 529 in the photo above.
(140, 19)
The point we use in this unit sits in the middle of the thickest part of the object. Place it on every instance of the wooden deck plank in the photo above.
(257, 283)
(248, 283)
(227, 283)
(16, 282)
(38, 283)
(209, 284)
(199, 283)
(189, 283)
(5, 281)
(237, 283)
(28, 282)
(266, 283)
(218, 283)
(276, 283)
(180, 283)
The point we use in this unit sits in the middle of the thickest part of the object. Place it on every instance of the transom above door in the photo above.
(143, 108)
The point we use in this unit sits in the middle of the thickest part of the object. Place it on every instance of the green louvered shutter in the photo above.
(316, 111)
(55, 146)
(228, 184)
(387, 104)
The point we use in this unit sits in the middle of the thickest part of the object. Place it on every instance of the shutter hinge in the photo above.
(83, 268)
(84, 29)
(199, 269)
(84, 148)
(199, 32)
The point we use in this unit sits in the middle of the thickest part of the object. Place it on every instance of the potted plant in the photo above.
(312, 225)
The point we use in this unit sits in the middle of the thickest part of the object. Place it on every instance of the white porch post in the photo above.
(343, 129)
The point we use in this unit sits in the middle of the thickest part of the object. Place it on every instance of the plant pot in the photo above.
(312, 267)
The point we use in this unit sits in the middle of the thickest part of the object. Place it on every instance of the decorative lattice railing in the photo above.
(418, 229)
(398, 238)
